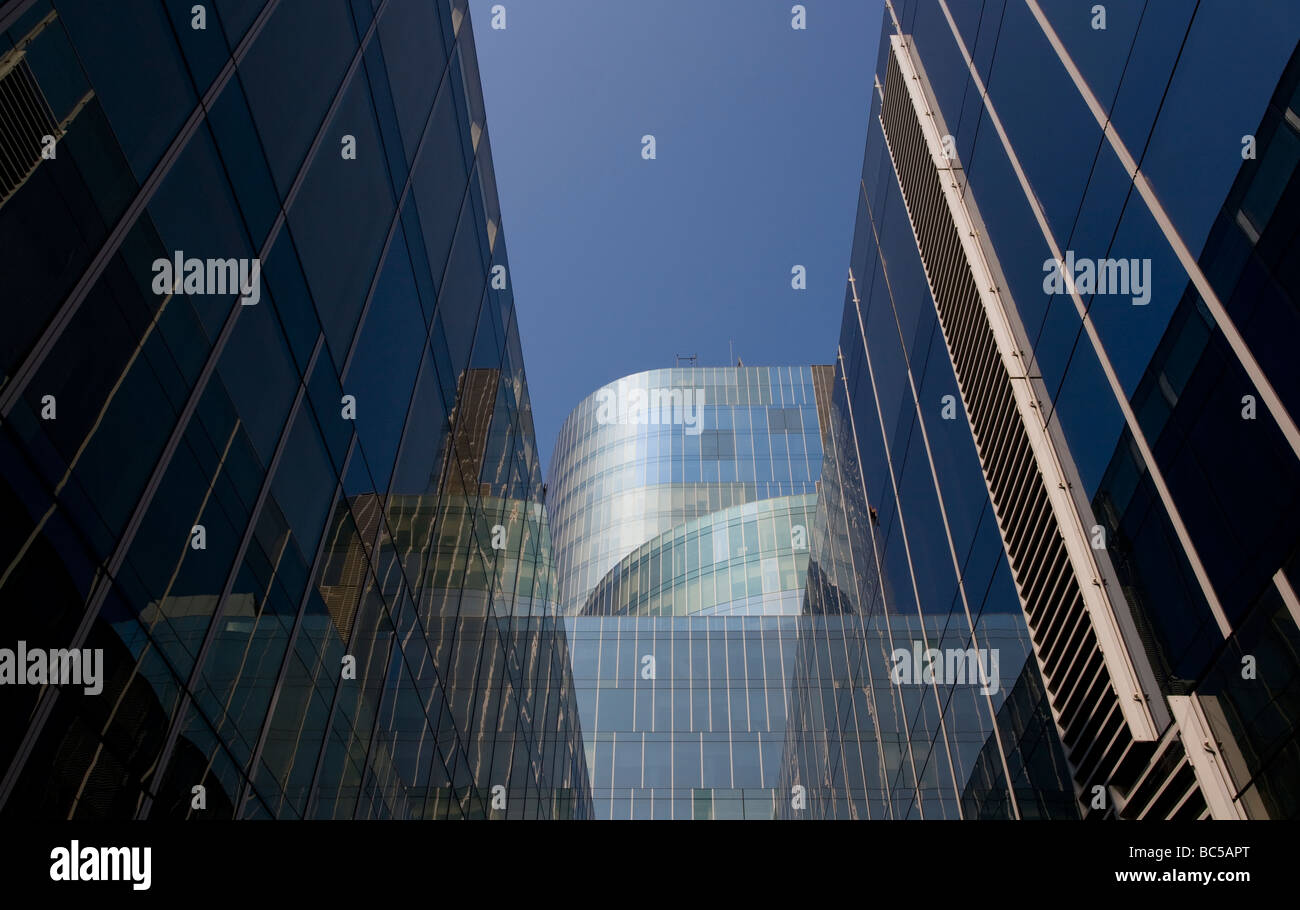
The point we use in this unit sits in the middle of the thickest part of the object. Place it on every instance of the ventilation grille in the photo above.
(25, 118)
(1085, 703)
(1167, 788)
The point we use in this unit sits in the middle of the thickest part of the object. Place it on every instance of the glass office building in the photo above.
(865, 741)
(266, 442)
(681, 503)
(1067, 400)
(652, 451)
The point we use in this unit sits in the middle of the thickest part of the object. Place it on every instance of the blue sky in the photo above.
(618, 263)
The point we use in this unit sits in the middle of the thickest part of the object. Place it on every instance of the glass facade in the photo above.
(1234, 477)
(292, 496)
(1040, 776)
(748, 559)
(1163, 399)
(682, 502)
(683, 717)
(654, 450)
(269, 484)
(863, 741)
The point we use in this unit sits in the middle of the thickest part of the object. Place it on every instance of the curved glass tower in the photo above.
(681, 502)
(646, 455)
(748, 559)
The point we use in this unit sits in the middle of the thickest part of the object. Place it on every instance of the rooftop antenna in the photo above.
(688, 359)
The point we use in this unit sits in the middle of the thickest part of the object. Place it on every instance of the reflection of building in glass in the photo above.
(681, 541)
(278, 520)
(1121, 475)
(1236, 481)
(1042, 783)
(861, 744)
(471, 418)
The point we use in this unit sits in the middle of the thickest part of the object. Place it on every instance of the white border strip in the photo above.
(1288, 595)
(1204, 757)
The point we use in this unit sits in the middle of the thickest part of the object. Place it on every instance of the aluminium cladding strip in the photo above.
(1097, 684)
